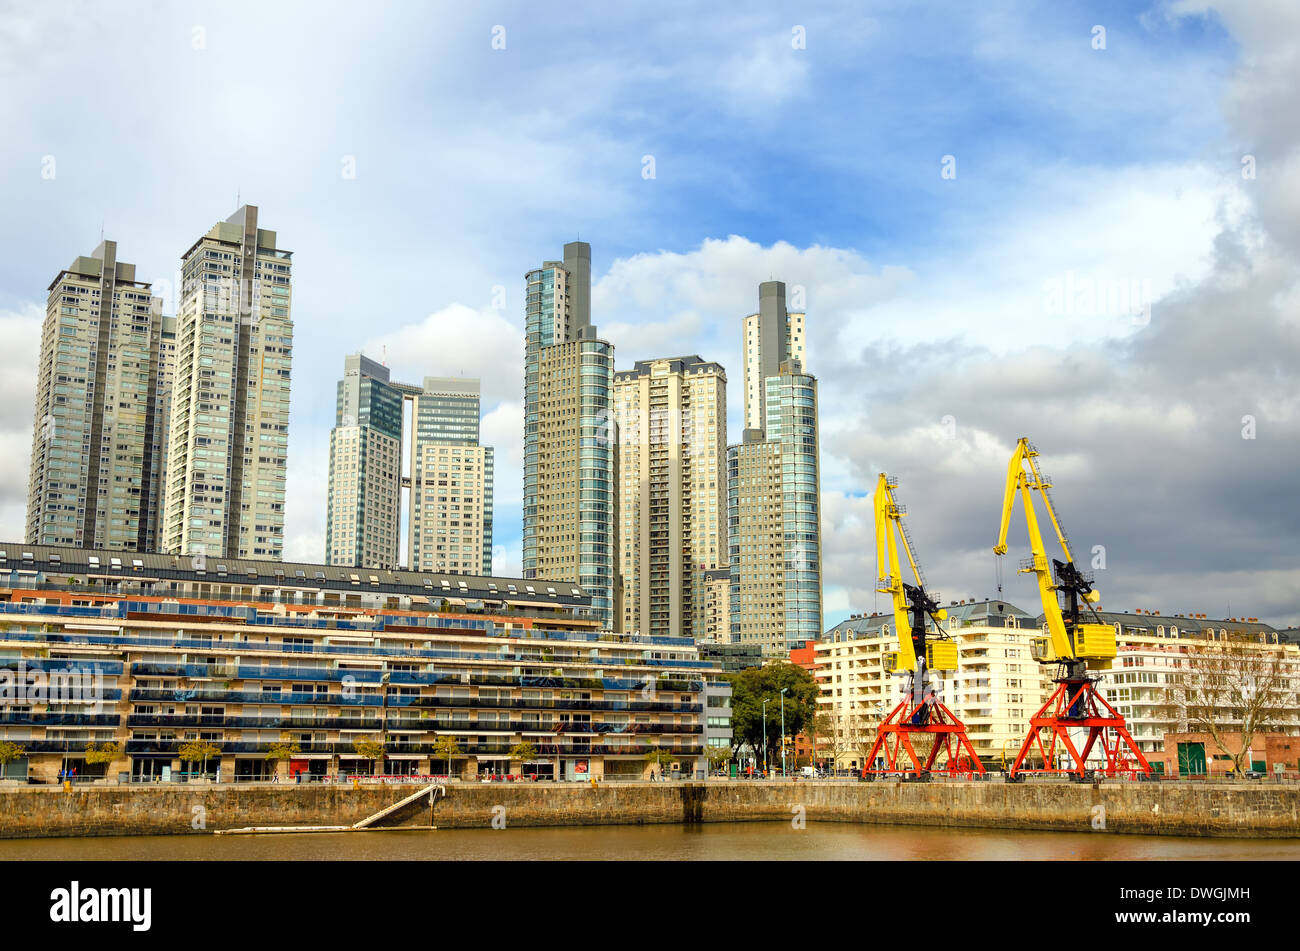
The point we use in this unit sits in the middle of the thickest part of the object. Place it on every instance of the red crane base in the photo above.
(895, 738)
(1103, 723)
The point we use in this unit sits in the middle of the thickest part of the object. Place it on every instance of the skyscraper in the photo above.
(672, 425)
(773, 507)
(452, 478)
(229, 440)
(363, 518)
(570, 462)
(101, 397)
(771, 337)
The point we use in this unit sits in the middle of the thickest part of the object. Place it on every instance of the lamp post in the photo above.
(764, 707)
(783, 693)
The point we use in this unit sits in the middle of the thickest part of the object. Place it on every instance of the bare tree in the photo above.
(1224, 688)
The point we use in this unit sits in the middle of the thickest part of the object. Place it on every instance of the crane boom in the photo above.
(1074, 646)
(1072, 641)
(907, 599)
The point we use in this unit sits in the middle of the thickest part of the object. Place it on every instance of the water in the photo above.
(739, 841)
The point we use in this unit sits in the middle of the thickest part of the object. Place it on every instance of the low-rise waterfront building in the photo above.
(998, 685)
(995, 689)
(288, 669)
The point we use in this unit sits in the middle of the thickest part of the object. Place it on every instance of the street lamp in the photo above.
(783, 693)
(765, 703)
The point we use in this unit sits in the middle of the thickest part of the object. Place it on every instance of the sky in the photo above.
(1074, 221)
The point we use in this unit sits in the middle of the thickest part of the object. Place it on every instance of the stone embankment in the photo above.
(1186, 809)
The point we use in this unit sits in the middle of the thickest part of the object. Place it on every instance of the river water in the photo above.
(739, 841)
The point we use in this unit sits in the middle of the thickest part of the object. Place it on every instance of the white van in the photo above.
(808, 772)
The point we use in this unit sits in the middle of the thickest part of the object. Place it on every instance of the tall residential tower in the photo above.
(229, 440)
(101, 399)
(773, 506)
(570, 461)
(452, 479)
(672, 428)
(363, 518)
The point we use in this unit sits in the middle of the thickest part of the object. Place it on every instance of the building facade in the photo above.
(228, 442)
(452, 480)
(774, 520)
(364, 507)
(322, 664)
(995, 689)
(998, 685)
(772, 336)
(717, 607)
(672, 430)
(570, 499)
(1153, 655)
(102, 396)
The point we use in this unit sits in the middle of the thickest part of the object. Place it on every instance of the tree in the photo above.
(751, 687)
(659, 757)
(101, 752)
(719, 756)
(285, 749)
(446, 747)
(1223, 688)
(372, 748)
(523, 752)
(9, 752)
(197, 751)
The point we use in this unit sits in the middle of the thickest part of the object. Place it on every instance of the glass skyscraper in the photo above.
(570, 438)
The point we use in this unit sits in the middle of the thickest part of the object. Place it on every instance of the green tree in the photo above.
(523, 752)
(719, 756)
(446, 747)
(372, 748)
(101, 752)
(197, 751)
(661, 758)
(285, 749)
(751, 687)
(9, 752)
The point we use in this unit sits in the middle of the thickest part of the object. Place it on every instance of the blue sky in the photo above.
(819, 166)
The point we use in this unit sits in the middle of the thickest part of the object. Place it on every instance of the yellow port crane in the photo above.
(920, 711)
(1073, 645)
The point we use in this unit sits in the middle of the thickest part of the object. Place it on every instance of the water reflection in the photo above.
(763, 841)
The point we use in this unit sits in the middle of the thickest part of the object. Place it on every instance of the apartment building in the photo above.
(717, 607)
(672, 436)
(570, 499)
(772, 336)
(314, 663)
(102, 397)
(998, 684)
(1153, 655)
(364, 505)
(774, 520)
(996, 688)
(228, 439)
(452, 480)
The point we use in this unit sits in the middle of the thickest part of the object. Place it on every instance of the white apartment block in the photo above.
(996, 688)
(451, 488)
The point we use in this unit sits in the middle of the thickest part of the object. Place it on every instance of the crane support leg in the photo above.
(908, 721)
(1076, 705)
